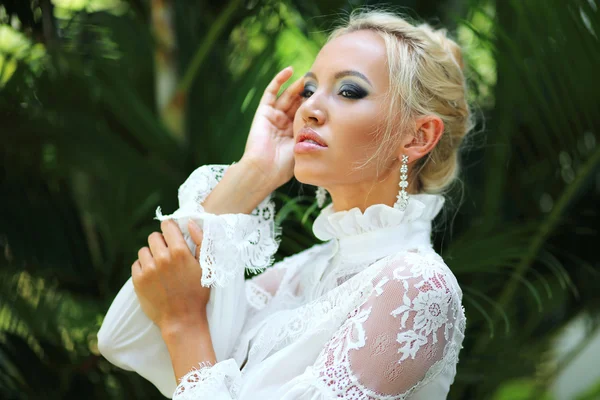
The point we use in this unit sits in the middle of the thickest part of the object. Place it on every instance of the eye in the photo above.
(307, 92)
(352, 92)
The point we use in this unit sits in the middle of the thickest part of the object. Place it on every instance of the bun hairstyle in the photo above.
(426, 78)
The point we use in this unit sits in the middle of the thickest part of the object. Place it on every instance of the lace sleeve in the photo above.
(400, 339)
(230, 240)
(215, 382)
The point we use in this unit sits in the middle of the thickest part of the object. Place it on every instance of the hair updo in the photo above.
(426, 78)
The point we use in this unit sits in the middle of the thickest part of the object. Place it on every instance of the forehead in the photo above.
(363, 51)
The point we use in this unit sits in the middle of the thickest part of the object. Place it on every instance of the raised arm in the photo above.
(130, 340)
(233, 207)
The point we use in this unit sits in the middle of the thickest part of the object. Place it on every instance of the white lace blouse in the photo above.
(371, 313)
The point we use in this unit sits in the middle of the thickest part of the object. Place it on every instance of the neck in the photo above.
(366, 193)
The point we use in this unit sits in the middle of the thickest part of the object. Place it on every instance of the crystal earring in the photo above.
(402, 199)
(321, 194)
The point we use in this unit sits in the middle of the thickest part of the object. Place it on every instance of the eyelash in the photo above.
(356, 94)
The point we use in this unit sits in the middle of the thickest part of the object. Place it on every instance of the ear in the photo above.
(428, 130)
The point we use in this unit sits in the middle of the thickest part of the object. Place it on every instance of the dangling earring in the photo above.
(321, 194)
(402, 201)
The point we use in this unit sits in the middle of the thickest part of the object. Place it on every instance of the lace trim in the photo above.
(229, 239)
(209, 380)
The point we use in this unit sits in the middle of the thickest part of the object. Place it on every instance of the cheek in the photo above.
(297, 123)
(357, 135)
(357, 140)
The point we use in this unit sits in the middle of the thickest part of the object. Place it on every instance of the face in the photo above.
(345, 104)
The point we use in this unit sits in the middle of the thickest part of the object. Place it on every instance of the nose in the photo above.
(312, 111)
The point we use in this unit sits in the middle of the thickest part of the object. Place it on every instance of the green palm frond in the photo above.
(86, 158)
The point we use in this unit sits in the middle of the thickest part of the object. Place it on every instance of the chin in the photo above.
(308, 174)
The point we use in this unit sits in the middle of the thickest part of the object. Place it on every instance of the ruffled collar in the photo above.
(340, 224)
(381, 230)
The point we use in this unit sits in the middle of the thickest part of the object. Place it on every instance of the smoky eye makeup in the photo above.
(348, 90)
(352, 90)
(307, 89)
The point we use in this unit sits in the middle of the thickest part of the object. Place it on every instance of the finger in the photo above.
(270, 95)
(174, 238)
(157, 243)
(291, 112)
(136, 270)
(171, 233)
(145, 258)
(278, 118)
(290, 95)
(195, 232)
(197, 235)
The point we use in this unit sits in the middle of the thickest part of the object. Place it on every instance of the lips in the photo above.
(309, 135)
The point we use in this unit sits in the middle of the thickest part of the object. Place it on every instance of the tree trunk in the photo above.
(171, 107)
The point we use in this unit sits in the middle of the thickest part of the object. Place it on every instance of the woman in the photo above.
(371, 313)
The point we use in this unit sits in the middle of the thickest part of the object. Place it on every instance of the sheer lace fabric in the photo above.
(388, 346)
(404, 334)
(229, 240)
(372, 313)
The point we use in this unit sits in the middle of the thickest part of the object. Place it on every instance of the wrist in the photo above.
(189, 344)
(257, 171)
(241, 189)
(175, 330)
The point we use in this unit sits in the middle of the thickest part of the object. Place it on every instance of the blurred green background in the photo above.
(106, 106)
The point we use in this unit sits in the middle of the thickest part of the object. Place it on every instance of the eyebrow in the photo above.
(341, 74)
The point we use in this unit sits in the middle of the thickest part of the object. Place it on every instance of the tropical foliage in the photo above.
(107, 105)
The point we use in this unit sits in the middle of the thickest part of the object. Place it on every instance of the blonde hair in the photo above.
(426, 78)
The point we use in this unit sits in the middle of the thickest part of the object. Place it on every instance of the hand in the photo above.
(270, 144)
(166, 278)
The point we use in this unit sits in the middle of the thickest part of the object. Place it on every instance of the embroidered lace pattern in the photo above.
(230, 241)
(401, 338)
(388, 323)
(373, 313)
(405, 328)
